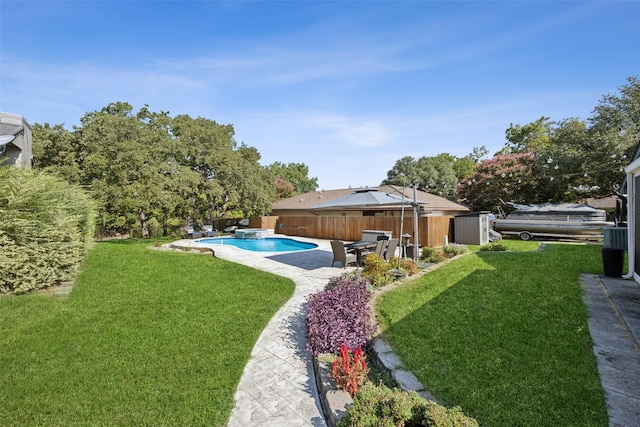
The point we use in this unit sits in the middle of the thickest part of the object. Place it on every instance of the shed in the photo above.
(472, 229)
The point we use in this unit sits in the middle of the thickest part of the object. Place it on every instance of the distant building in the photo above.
(15, 141)
(307, 204)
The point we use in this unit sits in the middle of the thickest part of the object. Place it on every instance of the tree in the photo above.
(295, 173)
(403, 172)
(284, 189)
(146, 165)
(577, 159)
(465, 166)
(435, 174)
(615, 131)
(56, 151)
(123, 160)
(229, 177)
(530, 138)
(505, 177)
(619, 114)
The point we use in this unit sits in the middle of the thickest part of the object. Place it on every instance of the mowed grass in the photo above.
(504, 335)
(146, 338)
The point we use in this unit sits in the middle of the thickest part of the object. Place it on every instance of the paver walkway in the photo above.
(614, 324)
(277, 387)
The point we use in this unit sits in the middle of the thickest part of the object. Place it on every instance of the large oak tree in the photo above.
(145, 165)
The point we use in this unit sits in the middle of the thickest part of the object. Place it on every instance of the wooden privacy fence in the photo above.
(263, 222)
(431, 230)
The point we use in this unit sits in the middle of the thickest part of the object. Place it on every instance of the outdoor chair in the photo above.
(340, 254)
(191, 233)
(391, 249)
(209, 231)
(379, 250)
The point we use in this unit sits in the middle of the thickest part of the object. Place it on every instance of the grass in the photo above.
(145, 338)
(504, 335)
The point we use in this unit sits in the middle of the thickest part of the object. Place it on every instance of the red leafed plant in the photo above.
(350, 369)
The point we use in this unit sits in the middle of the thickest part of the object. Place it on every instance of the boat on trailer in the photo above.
(564, 220)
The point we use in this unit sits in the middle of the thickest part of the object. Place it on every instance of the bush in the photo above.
(46, 226)
(381, 406)
(376, 270)
(339, 315)
(345, 279)
(493, 247)
(406, 265)
(380, 272)
(437, 255)
(454, 249)
(432, 255)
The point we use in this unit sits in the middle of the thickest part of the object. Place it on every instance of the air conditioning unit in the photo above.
(615, 237)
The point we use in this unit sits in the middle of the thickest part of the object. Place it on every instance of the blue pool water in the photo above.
(267, 244)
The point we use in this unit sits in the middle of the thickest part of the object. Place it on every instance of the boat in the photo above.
(564, 220)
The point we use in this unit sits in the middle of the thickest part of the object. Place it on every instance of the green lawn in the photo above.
(146, 338)
(504, 335)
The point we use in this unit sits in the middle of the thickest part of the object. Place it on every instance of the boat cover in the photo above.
(561, 208)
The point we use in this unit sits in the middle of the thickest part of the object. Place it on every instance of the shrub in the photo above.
(406, 264)
(454, 249)
(436, 255)
(345, 279)
(46, 226)
(339, 315)
(350, 369)
(432, 255)
(382, 406)
(376, 270)
(494, 247)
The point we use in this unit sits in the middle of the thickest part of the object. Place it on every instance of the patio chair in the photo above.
(209, 231)
(379, 250)
(391, 249)
(340, 254)
(191, 233)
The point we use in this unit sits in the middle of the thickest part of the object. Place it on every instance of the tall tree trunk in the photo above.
(143, 223)
(164, 222)
(210, 207)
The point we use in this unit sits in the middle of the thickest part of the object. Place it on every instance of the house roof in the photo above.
(12, 124)
(429, 201)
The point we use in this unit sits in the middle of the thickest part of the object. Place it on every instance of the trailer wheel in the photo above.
(525, 235)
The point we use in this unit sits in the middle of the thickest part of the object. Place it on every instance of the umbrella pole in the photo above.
(402, 250)
(415, 223)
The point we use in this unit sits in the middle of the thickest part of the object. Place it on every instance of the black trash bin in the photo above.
(612, 260)
(409, 249)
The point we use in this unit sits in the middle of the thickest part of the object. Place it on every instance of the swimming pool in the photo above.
(267, 244)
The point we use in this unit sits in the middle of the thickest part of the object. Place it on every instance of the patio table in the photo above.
(359, 247)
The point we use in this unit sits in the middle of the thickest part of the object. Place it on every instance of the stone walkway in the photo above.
(614, 324)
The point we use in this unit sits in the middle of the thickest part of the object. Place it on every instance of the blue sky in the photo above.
(345, 87)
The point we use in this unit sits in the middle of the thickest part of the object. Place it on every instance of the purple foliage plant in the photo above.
(340, 314)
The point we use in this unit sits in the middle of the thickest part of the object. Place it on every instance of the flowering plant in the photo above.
(350, 369)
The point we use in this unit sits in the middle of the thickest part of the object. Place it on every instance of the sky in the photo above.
(345, 87)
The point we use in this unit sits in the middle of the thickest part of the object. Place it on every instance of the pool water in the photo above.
(267, 244)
